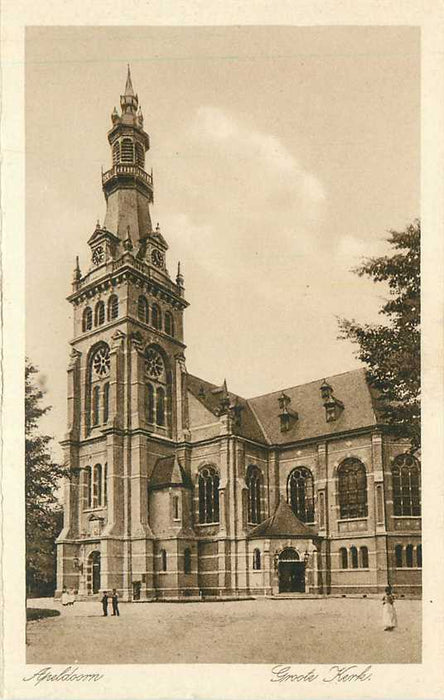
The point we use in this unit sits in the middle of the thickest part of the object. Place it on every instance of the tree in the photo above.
(42, 478)
(392, 350)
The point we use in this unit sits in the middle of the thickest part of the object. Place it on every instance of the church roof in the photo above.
(260, 419)
(283, 523)
(168, 472)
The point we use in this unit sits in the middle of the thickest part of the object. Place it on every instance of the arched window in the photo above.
(160, 406)
(176, 508)
(97, 486)
(169, 324)
(99, 313)
(300, 494)
(127, 151)
(163, 559)
(419, 556)
(140, 155)
(87, 320)
(344, 558)
(257, 559)
(254, 483)
(409, 555)
(150, 403)
(187, 561)
(88, 487)
(96, 405)
(406, 485)
(208, 495)
(106, 402)
(156, 318)
(352, 489)
(113, 307)
(105, 485)
(398, 556)
(116, 153)
(142, 309)
(354, 557)
(363, 553)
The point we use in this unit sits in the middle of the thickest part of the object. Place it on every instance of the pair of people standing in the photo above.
(114, 601)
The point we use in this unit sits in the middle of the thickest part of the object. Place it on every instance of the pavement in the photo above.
(262, 631)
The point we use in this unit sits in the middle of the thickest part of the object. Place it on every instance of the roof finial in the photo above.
(127, 243)
(179, 277)
(129, 86)
(77, 275)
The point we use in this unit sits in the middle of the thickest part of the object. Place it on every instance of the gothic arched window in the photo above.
(140, 155)
(113, 307)
(398, 556)
(343, 557)
(127, 151)
(105, 402)
(187, 561)
(87, 319)
(254, 483)
(99, 369)
(88, 487)
(160, 406)
(208, 495)
(96, 405)
(363, 553)
(116, 153)
(354, 557)
(257, 559)
(409, 555)
(150, 403)
(158, 388)
(142, 309)
(300, 494)
(406, 485)
(169, 324)
(99, 313)
(97, 486)
(352, 486)
(156, 318)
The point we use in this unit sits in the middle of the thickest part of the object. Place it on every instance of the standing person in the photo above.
(115, 602)
(65, 597)
(388, 610)
(71, 596)
(105, 603)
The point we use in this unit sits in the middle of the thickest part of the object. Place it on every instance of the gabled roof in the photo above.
(210, 396)
(283, 523)
(168, 472)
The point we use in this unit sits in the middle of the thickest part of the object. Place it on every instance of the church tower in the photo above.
(125, 381)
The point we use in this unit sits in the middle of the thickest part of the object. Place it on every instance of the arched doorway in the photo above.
(291, 572)
(94, 572)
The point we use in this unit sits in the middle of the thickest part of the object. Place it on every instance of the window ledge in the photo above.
(207, 524)
(347, 520)
(94, 510)
(408, 517)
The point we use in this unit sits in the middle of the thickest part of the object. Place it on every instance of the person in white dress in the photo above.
(65, 597)
(389, 619)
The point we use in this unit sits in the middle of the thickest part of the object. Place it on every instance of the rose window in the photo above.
(101, 362)
(153, 364)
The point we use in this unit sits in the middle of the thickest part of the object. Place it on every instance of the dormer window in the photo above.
(287, 416)
(333, 407)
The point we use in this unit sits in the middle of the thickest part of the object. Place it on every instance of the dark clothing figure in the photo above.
(105, 603)
(115, 602)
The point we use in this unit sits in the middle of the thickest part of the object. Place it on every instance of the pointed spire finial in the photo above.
(129, 86)
(179, 277)
(77, 275)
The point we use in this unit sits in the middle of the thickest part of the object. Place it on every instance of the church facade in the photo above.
(179, 488)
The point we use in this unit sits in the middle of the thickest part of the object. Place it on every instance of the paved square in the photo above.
(268, 631)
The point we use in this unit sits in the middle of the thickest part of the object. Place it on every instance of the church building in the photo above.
(178, 488)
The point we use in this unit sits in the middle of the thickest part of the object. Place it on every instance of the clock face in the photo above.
(157, 258)
(98, 255)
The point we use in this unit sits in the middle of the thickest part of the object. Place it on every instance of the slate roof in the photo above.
(260, 415)
(283, 523)
(168, 472)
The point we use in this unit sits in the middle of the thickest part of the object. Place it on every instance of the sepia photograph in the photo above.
(223, 345)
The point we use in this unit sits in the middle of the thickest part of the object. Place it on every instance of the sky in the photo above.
(281, 158)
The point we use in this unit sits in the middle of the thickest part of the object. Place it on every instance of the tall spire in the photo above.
(129, 100)
(129, 86)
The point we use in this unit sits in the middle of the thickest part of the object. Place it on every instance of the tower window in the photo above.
(105, 485)
(352, 489)
(100, 313)
(156, 319)
(187, 561)
(406, 486)
(87, 320)
(140, 155)
(363, 552)
(257, 559)
(116, 153)
(113, 307)
(254, 483)
(208, 495)
(150, 403)
(169, 324)
(127, 152)
(142, 309)
(160, 407)
(176, 508)
(300, 494)
(106, 402)
(96, 405)
(88, 487)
